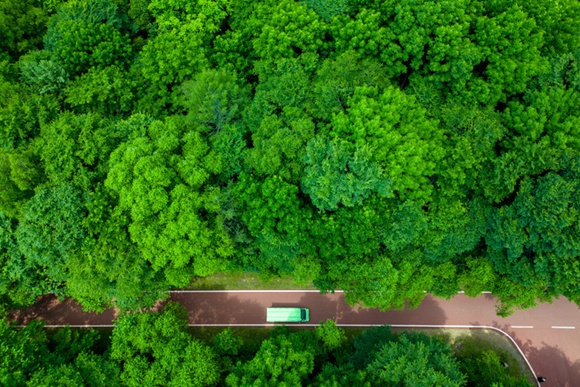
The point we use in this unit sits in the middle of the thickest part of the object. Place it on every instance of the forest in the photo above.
(385, 148)
(156, 349)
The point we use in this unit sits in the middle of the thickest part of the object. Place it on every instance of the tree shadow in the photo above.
(220, 308)
(334, 307)
(487, 338)
(554, 365)
(547, 360)
(229, 308)
(54, 312)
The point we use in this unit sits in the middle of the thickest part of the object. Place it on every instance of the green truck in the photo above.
(287, 315)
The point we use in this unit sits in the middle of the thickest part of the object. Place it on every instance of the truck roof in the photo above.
(275, 314)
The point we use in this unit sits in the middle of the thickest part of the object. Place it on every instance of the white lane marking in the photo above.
(252, 291)
(562, 327)
(522, 326)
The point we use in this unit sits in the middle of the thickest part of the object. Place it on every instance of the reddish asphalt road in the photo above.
(544, 334)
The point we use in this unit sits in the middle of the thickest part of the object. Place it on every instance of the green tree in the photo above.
(20, 351)
(74, 359)
(543, 131)
(75, 149)
(106, 91)
(368, 344)
(401, 139)
(212, 103)
(556, 21)
(189, 26)
(533, 241)
(22, 23)
(285, 29)
(361, 34)
(41, 74)
(337, 79)
(20, 281)
(164, 180)
(83, 34)
(464, 49)
(110, 269)
(327, 9)
(508, 40)
(227, 346)
(486, 366)
(331, 336)
(51, 230)
(155, 349)
(417, 360)
(274, 216)
(22, 112)
(283, 359)
(278, 118)
(335, 176)
(19, 176)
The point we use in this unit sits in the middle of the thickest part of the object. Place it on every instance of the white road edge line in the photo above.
(274, 291)
(394, 326)
(562, 327)
(71, 326)
(252, 291)
(341, 325)
(521, 326)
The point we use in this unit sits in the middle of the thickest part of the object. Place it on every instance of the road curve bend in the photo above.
(548, 335)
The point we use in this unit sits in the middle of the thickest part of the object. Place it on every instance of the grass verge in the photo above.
(245, 281)
(482, 339)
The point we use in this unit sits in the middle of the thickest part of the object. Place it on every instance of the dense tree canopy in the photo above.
(158, 349)
(386, 148)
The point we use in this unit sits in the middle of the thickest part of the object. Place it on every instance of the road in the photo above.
(548, 335)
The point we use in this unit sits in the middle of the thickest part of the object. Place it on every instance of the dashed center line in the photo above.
(522, 326)
(562, 327)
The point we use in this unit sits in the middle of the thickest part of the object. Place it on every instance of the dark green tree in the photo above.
(21, 351)
(51, 231)
(417, 360)
(83, 34)
(22, 23)
(283, 359)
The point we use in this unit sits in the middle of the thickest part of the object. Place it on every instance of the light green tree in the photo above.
(155, 349)
(163, 178)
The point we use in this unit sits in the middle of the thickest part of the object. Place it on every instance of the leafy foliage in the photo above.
(51, 231)
(83, 34)
(416, 360)
(155, 349)
(282, 359)
(22, 23)
(163, 178)
(381, 147)
(30, 357)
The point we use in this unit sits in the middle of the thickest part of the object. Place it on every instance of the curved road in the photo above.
(548, 335)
